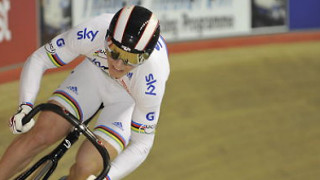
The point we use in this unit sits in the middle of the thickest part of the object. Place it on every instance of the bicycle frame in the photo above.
(54, 157)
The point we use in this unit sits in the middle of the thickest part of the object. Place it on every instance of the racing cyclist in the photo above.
(125, 69)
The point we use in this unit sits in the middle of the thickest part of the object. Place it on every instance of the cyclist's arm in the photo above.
(143, 126)
(46, 57)
(141, 142)
(60, 51)
(132, 157)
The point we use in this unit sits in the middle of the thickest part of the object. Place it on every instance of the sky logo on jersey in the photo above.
(86, 34)
(150, 82)
(60, 42)
(150, 116)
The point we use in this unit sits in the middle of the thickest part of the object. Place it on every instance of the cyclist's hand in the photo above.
(15, 122)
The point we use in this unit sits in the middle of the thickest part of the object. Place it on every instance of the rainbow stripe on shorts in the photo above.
(112, 134)
(71, 101)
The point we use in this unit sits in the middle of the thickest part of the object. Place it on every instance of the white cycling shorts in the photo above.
(82, 94)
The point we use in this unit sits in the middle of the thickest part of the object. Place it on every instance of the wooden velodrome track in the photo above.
(244, 108)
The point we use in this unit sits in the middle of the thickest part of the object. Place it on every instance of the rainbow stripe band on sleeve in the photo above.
(113, 134)
(139, 128)
(55, 59)
(71, 101)
(28, 104)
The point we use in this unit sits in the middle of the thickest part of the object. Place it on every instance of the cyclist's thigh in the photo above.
(88, 155)
(114, 122)
(79, 93)
(50, 126)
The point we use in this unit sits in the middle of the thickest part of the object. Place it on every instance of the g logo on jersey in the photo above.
(150, 116)
(60, 42)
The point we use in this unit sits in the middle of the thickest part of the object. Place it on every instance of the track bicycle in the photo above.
(44, 167)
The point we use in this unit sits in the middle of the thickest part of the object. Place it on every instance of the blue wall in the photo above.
(304, 14)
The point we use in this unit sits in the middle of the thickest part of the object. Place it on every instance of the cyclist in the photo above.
(126, 68)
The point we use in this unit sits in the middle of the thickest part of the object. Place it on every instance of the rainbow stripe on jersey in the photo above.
(55, 59)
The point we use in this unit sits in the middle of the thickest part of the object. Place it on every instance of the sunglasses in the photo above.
(128, 58)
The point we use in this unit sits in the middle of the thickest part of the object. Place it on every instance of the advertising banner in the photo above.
(269, 13)
(190, 20)
(304, 14)
(18, 31)
(180, 19)
(85, 9)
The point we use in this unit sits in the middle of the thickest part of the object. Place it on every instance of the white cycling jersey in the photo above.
(132, 103)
